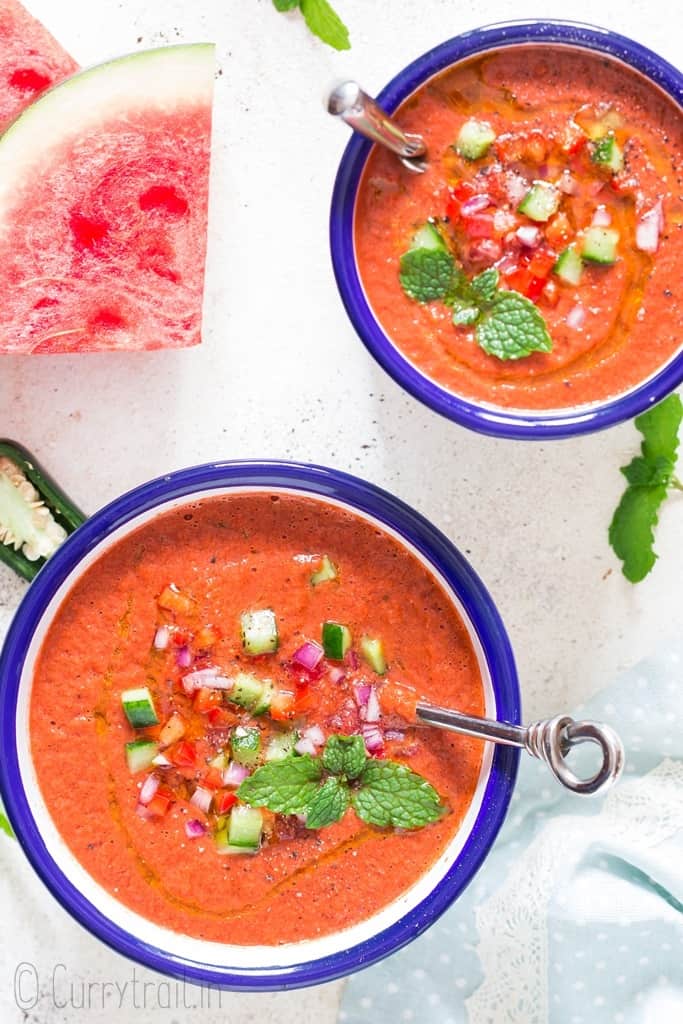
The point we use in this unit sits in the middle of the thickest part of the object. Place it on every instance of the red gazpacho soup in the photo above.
(536, 263)
(222, 719)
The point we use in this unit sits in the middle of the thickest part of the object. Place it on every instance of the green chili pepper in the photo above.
(35, 514)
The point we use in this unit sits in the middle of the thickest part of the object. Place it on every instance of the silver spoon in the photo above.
(348, 101)
(550, 740)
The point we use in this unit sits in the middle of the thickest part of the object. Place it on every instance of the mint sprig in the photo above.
(382, 793)
(322, 20)
(507, 325)
(650, 476)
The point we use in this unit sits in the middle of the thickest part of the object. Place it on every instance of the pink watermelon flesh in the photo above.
(30, 60)
(105, 250)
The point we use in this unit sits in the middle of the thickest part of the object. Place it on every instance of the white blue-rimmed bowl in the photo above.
(259, 968)
(484, 418)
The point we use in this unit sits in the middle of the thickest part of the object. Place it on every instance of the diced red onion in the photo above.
(161, 638)
(509, 264)
(394, 734)
(315, 734)
(567, 184)
(485, 249)
(207, 677)
(195, 829)
(601, 218)
(149, 788)
(352, 660)
(161, 762)
(516, 187)
(648, 229)
(202, 798)
(362, 694)
(183, 657)
(337, 675)
(576, 317)
(235, 774)
(373, 712)
(301, 818)
(529, 235)
(143, 813)
(475, 205)
(306, 746)
(503, 221)
(373, 738)
(309, 655)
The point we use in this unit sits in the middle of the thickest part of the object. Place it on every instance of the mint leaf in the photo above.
(325, 23)
(426, 274)
(329, 803)
(286, 786)
(642, 472)
(5, 826)
(391, 794)
(512, 328)
(631, 532)
(464, 314)
(285, 5)
(345, 755)
(659, 427)
(485, 285)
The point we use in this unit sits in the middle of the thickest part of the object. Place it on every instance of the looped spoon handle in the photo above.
(549, 740)
(348, 101)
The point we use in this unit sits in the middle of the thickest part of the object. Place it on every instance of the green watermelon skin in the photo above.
(103, 208)
(31, 60)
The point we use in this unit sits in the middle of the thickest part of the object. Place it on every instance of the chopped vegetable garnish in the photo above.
(600, 245)
(541, 201)
(173, 730)
(336, 640)
(372, 650)
(259, 632)
(171, 599)
(246, 745)
(474, 139)
(327, 571)
(140, 754)
(139, 707)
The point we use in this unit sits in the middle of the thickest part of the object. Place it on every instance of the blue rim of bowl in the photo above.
(319, 482)
(498, 422)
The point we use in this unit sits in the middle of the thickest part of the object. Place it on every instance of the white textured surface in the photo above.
(282, 374)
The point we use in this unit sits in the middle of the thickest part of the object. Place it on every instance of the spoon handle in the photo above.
(348, 101)
(550, 740)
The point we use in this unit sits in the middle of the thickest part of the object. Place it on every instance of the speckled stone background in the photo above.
(282, 374)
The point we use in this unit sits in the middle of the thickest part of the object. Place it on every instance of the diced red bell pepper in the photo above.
(205, 699)
(183, 754)
(542, 262)
(181, 637)
(213, 779)
(574, 138)
(458, 194)
(207, 637)
(535, 288)
(282, 705)
(221, 718)
(160, 802)
(519, 280)
(173, 600)
(223, 801)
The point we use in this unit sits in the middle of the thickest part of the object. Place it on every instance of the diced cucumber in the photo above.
(139, 707)
(474, 139)
(140, 754)
(568, 266)
(372, 650)
(608, 153)
(280, 746)
(251, 693)
(541, 201)
(246, 745)
(245, 827)
(336, 640)
(428, 237)
(600, 245)
(220, 761)
(327, 571)
(259, 632)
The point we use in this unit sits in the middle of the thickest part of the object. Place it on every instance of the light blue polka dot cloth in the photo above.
(577, 915)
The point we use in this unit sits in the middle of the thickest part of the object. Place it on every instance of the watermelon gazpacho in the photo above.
(234, 745)
(31, 60)
(535, 264)
(103, 207)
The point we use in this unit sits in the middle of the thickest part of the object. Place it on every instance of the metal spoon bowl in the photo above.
(360, 111)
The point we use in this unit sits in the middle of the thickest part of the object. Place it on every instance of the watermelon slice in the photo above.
(30, 60)
(103, 207)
